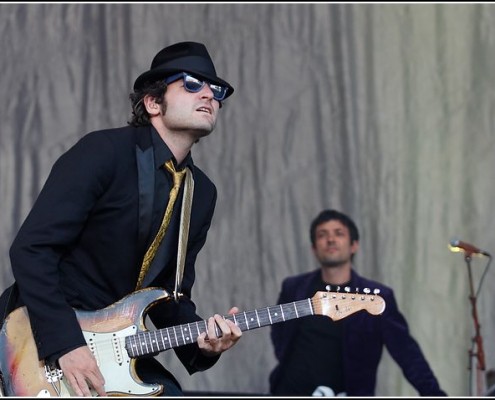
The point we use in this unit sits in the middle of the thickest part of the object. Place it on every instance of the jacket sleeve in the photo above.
(50, 229)
(405, 350)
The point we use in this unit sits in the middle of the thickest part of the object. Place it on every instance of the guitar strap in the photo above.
(185, 218)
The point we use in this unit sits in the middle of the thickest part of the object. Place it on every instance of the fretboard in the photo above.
(150, 342)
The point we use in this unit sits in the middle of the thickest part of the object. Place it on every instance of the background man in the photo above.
(318, 356)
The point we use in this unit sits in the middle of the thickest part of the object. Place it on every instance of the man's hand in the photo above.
(82, 372)
(230, 334)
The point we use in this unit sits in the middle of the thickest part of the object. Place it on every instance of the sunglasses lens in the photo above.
(192, 84)
(219, 92)
(195, 85)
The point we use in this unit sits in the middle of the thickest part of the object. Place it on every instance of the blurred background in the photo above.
(383, 111)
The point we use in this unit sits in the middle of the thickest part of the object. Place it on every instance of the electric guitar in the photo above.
(116, 335)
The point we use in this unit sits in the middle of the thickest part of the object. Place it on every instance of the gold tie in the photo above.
(150, 254)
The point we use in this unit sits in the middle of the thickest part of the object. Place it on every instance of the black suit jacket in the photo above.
(364, 337)
(83, 242)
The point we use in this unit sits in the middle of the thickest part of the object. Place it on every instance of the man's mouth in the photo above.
(205, 109)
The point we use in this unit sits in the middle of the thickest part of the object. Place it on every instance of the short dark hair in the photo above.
(329, 215)
(140, 116)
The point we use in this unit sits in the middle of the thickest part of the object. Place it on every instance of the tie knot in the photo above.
(177, 175)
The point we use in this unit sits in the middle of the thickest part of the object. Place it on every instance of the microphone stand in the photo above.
(477, 339)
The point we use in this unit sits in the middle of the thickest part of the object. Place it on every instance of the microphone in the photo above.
(457, 245)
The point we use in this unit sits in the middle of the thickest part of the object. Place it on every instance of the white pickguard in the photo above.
(114, 362)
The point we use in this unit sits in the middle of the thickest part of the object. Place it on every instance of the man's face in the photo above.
(186, 111)
(333, 246)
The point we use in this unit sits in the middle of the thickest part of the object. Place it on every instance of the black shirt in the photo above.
(316, 358)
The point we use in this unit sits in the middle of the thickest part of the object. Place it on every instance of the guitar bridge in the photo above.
(53, 374)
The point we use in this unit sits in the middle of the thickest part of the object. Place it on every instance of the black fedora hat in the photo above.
(189, 57)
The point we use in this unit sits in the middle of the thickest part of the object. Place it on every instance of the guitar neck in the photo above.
(150, 342)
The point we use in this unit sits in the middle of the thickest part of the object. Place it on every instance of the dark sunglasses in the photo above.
(194, 85)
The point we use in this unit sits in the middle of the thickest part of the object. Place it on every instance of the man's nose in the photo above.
(206, 92)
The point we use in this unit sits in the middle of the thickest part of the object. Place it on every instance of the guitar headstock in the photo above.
(338, 305)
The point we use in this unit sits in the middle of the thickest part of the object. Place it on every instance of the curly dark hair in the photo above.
(140, 116)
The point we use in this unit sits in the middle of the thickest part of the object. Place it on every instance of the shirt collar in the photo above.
(163, 153)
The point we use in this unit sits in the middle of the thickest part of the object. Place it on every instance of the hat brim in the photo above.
(162, 73)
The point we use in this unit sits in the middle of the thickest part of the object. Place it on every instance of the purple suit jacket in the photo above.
(364, 337)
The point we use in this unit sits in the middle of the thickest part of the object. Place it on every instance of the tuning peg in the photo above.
(376, 291)
(329, 289)
(366, 290)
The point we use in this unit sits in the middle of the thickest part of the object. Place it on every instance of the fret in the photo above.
(251, 319)
(182, 334)
(195, 332)
(149, 342)
(169, 340)
(263, 317)
(189, 337)
(154, 343)
(282, 310)
(310, 304)
(174, 334)
(139, 348)
(241, 323)
(269, 316)
(164, 340)
(179, 336)
(301, 309)
(245, 318)
(158, 341)
(289, 311)
(145, 342)
(257, 317)
(133, 345)
(197, 328)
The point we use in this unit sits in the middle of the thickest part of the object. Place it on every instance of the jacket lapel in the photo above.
(146, 183)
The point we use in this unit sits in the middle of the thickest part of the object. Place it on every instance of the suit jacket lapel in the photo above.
(146, 183)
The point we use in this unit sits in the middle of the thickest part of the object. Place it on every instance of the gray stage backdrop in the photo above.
(384, 111)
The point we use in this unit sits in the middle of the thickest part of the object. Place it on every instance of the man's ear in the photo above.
(355, 247)
(313, 249)
(152, 107)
